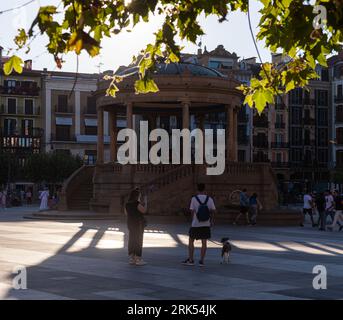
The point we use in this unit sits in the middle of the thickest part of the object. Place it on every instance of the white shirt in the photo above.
(329, 202)
(194, 207)
(307, 199)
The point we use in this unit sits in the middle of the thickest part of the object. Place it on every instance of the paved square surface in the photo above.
(71, 260)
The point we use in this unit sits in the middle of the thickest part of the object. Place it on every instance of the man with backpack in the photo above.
(202, 209)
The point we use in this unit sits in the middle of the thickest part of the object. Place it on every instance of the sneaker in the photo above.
(140, 262)
(201, 263)
(188, 262)
(132, 260)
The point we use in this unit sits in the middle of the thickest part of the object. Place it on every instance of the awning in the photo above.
(91, 122)
(64, 121)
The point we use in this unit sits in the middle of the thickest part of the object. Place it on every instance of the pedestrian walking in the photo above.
(28, 196)
(202, 209)
(320, 205)
(338, 218)
(254, 206)
(3, 199)
(243, 206)
(329, 207)
(135, 208)
(308, 208)
(44, 197)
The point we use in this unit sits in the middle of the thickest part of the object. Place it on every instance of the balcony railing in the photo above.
(280, 164)
(260, 144)
(279, 145)
(243, 118)
(309, 122)
(280, 125)
(63, 138)
(64, 109)
(243, 140)
(22, 132)
(21, 110)
(90, 111)
(260, 123)
(309, 102)
(22, 91)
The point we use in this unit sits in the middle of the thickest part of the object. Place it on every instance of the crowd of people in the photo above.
(324, 205)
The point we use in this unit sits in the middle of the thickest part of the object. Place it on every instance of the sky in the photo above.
(234, 34)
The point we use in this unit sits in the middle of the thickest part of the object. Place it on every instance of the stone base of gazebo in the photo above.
(170, 187)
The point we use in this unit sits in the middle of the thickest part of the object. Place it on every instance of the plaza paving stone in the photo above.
(88, 260)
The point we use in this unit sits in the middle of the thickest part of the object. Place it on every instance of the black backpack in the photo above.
(203, 212)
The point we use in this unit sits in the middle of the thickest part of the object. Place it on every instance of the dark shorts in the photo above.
(200, 233)
(309, 211)
(243, 209)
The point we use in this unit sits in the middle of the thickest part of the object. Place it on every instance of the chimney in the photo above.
(199, 52)
(28, 64)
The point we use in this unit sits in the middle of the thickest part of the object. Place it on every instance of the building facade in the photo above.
(70, 117)
(336, 77)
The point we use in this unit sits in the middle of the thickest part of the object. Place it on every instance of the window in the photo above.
(28, 106)
(278, 157)
(322, 98)
(90, 157)
(62, 105)
(62, 133)
(241, 155)
(279, 118)
(307, 137)
(324, 74)
(91, 105)
(323, 137)
(91, 130)
(296, 136)
(10, 126)
(339, 158)
(339, 113)
(295, 96)
(339, 91)
(296, 115)
(10, 83)
(220, 64)
(296, 155)
(339, 135)
(322, 115)
(12, 106)
(26, 127)
(323, 155)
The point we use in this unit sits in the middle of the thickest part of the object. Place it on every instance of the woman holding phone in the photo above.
(135, 208)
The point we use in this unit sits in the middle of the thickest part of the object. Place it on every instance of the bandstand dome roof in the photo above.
(177, 69)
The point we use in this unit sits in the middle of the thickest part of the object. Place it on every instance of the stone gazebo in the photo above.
(190, 96)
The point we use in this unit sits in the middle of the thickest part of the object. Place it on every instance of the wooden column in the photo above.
(185, 115)
(113, 136)
(235, 135)
(100, 146)
(129, 115)
(229, 133)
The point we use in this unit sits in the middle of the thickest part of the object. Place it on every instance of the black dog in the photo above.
(225, 250)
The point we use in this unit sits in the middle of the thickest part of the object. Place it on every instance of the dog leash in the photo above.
(215, 242)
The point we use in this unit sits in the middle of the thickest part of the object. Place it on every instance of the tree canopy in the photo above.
(298, 29)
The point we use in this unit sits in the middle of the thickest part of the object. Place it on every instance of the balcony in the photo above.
(20, 111)
(20, 91)
(22, 132)
(90, 111)
(260, 122)
(309, 122)
(64, 109)
(260, 158)
(280, 125)
(242, 118)
(280, 164)
(63, 138)
(279, 145)
(309, 102)
(243, 140)
(261, 143)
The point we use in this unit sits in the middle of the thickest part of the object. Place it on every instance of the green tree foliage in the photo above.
(50, 167)
(285, 25)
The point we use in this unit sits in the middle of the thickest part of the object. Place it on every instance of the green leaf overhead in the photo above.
(285, 26)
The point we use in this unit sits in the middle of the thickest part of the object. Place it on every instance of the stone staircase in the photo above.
(81, 197)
